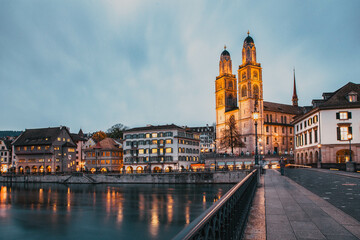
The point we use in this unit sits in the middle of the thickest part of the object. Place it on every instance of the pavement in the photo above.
(290, 211)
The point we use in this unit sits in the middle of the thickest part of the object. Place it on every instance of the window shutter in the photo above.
(337, 115)
(349, 115)
(338, 133)
(350, 130)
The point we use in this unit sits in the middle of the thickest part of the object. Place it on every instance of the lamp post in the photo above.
(256, 117)
(319, 159)
(349, 136)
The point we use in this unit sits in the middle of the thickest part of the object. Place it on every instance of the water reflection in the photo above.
(110, 211)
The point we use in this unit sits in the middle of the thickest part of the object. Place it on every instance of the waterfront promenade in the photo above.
(283, 209)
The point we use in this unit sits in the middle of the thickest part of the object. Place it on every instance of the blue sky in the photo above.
(92, 64)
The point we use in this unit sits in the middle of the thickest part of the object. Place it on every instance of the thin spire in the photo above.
(224, 47)
(294, 97)
(248, 32)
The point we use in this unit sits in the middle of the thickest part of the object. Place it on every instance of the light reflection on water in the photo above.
(128, 211)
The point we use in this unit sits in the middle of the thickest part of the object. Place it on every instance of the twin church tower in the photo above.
(241, 97)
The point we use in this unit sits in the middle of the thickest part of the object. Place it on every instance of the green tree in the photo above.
(116, 131)
(230, 137)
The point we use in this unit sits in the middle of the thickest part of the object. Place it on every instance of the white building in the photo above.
(324, 132)
(207, 138)
(160, 148)
(5, 155)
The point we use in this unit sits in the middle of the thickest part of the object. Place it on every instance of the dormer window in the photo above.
(352, 97)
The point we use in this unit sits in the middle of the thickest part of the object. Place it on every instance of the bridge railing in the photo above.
(226, 218)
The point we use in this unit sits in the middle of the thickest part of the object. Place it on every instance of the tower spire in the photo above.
(294, 97)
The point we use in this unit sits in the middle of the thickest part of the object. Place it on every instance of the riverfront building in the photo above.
(5, 155)
(160, 148)
(45, 149)
(242, 96)
(207, 138)
(324, 133)
(105, 156)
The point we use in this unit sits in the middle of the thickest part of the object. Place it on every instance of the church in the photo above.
(242, 96)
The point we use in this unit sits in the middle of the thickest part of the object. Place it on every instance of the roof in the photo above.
(225, 53)
(249, 39)
(107, 143)
(339, 97)
(282, 108)
(151, 128)
(40, 136)
(77, 137)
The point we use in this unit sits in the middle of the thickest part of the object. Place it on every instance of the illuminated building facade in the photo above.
(207, 138)
(323, 133)
(161, 148)
(242, 96)
(45, 150)
(105, 156)
(5, 155)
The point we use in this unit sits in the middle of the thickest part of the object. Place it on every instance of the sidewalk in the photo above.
(293, 212)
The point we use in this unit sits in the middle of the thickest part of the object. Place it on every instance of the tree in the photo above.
(116, 131)
(230, 137)
(98, 136)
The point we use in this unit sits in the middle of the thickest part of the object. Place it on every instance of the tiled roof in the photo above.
(339, 98)
(40, 136)
(107, 143)
(282, 108)
(151, 127)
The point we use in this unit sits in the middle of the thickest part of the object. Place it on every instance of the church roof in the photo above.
(249, 39)
(282, 108)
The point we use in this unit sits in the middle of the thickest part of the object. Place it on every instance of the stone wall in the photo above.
(157, 178)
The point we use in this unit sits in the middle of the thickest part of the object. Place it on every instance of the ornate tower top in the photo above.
(294, 97)
(249, 50)
(225, 65)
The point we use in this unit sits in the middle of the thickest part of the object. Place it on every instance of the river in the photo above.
(103, 211)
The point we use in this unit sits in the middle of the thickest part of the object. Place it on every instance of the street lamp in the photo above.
(256, 118)
(319, 159)
(349, 136)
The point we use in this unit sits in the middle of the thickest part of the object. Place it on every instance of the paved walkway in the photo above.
(293, 212)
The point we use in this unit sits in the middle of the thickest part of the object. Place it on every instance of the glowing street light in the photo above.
(349, 136)
(256, 118)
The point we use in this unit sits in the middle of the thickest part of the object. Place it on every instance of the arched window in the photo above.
(256, 91)
(255, 75)
(230, 100)
(243, 75)
(243, 91)
(230, 85)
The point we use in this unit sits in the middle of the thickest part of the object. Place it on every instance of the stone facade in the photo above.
(241, 97)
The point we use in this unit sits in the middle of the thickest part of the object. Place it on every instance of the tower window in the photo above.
(256, 91)
(244, 91)
(255, 74)
(243, 75)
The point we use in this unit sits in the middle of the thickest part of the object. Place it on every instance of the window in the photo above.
(310, 137)
(154, 142)
(267, 128)
(243, 75)
(168, 150)
(108, 154)
(255, 74)
(267, 140)
(59, 139)
(300, 126)
(315, 119)
(38, 147)
(275, 129)
(352, 97)
(283, 140)
(267, 117)
(243, 91)
(154, 135)
(141, 151)
(270, 118)
(315, 135)
(32, 148)
(290, 130)
(148, 135)
(168, 141)
(71, 150)
(284, 119)
(283, 130)
(305, 136)
(154, 150)
(304, 124)
(342, 133)
(343, 115)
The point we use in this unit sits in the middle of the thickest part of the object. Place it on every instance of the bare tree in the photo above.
(231, 137)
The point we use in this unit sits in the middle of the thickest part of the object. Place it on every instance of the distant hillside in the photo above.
(10, 133)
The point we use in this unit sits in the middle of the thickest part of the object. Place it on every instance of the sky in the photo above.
(92, 64)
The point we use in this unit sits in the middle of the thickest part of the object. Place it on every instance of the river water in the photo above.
(104, 211)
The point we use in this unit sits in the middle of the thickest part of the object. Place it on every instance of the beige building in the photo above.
(241, 96)
(105, 156)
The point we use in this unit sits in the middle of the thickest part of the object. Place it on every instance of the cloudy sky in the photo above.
(91, 64)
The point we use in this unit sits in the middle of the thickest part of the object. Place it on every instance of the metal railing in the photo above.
(227, 217)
